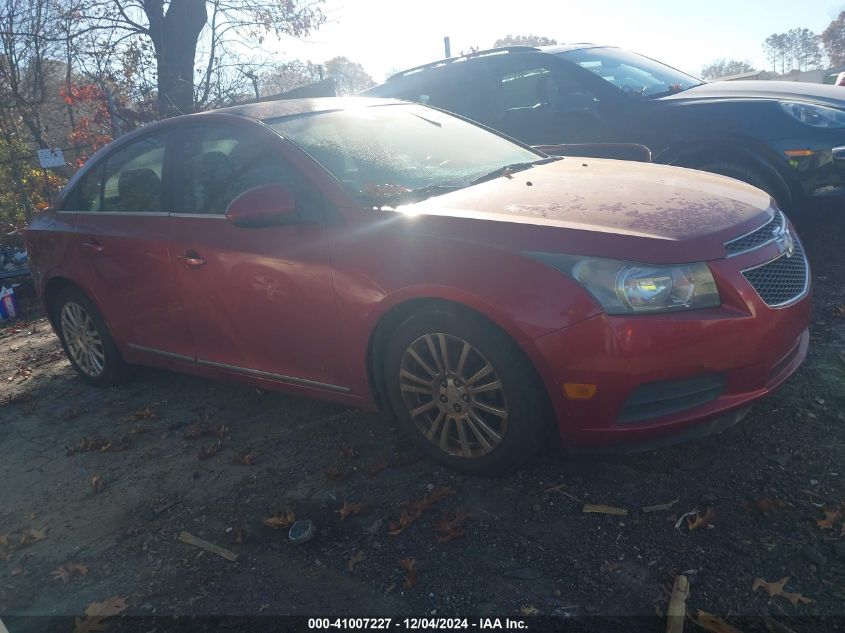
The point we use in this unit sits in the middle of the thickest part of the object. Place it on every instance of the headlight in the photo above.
(626, 287)
(814, 115)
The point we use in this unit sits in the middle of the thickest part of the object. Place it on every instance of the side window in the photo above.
(220, 163)
(85, 195)
(132, 179)
(527, 88)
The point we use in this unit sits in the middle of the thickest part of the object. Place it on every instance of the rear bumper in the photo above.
(665, 378)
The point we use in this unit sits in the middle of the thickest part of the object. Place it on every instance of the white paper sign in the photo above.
(51, 158)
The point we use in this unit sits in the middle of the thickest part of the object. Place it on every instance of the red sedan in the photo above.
(379, 253)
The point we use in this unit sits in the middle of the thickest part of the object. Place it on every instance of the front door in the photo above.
(122, 233)
(260, 300)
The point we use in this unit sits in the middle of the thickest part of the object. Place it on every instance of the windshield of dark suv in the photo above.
(632, 73)
(403, 152)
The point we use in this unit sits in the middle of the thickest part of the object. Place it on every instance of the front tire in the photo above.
(86, 340)
(464, 392)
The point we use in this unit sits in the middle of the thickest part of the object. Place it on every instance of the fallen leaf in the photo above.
(351, 509)
(698, 521)
(238, 535)
(98, 483)
(205, 429)
(147, 413)
(66, 572)
(602, 509)
(830, 517)
(353, 561)
(376, 468)
(767, 505)
(88, 444)
(390, 588)
(209, 451)
(284, 518)
(96, 612)
(30, 536)
(712, 623)
(247, 458)
(334, 473)
(18, 571)
(409, 565)
(30, 516)
(529, 610)
(775, 589)
(453, 528)
(417, 508)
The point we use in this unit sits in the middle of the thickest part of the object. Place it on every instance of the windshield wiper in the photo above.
(512, 169)
(416, 195)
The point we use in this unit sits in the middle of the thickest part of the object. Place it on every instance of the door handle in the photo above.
(94, 246)
(191, 259)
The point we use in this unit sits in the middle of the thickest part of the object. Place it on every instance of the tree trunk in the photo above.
(175, 37)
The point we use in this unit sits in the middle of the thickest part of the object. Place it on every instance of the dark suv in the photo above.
(786, 138)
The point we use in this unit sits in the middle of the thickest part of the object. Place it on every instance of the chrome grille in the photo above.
(758, 237)
(783, 280)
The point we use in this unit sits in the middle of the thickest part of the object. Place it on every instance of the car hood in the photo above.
(775, 90)
(651, 213)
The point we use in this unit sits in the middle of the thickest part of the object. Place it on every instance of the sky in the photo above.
(391, 35)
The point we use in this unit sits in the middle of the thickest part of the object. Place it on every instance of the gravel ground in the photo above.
(526, 547)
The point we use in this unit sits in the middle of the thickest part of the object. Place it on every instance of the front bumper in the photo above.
(719, 360)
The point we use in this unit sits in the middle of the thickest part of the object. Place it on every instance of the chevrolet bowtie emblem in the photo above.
(785, 242)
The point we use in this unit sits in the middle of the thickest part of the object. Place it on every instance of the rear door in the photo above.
(260, 300)
(122, 232)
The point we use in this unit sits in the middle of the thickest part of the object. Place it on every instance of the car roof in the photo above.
(554, 49)
(289, 107)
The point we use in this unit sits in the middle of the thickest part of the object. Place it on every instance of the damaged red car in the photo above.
(383, 254)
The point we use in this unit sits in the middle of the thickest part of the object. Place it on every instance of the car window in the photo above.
(632, 73)
(526, 88)
(132, 181)
(85, 195)
(220, 163)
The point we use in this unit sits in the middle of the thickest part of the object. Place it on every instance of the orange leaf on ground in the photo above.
(775, 589)
(246, 458)
(830, 517)
(698, 521)
(30, 536)
(284, 518)
(453, 528)
(98, 483)
(66, 572)
(412, 574)
(354, 560)
(417, 508)
(96, 612)
(712, 623)
(210, 450)
(205, 429)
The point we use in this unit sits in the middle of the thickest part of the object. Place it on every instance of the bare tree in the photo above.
(724, 68)
(524, 40)
(181, 29)
(833, 39)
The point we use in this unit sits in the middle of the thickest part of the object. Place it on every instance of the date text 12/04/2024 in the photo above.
(413, 624)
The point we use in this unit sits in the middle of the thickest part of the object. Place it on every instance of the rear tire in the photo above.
(481, 410)
(86, 339)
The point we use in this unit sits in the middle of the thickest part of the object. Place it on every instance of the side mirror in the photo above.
(262, 206)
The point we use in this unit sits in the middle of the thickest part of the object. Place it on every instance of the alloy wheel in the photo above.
(453, 395)
(83, 340)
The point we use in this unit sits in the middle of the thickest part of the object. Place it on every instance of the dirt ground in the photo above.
(527, 546)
